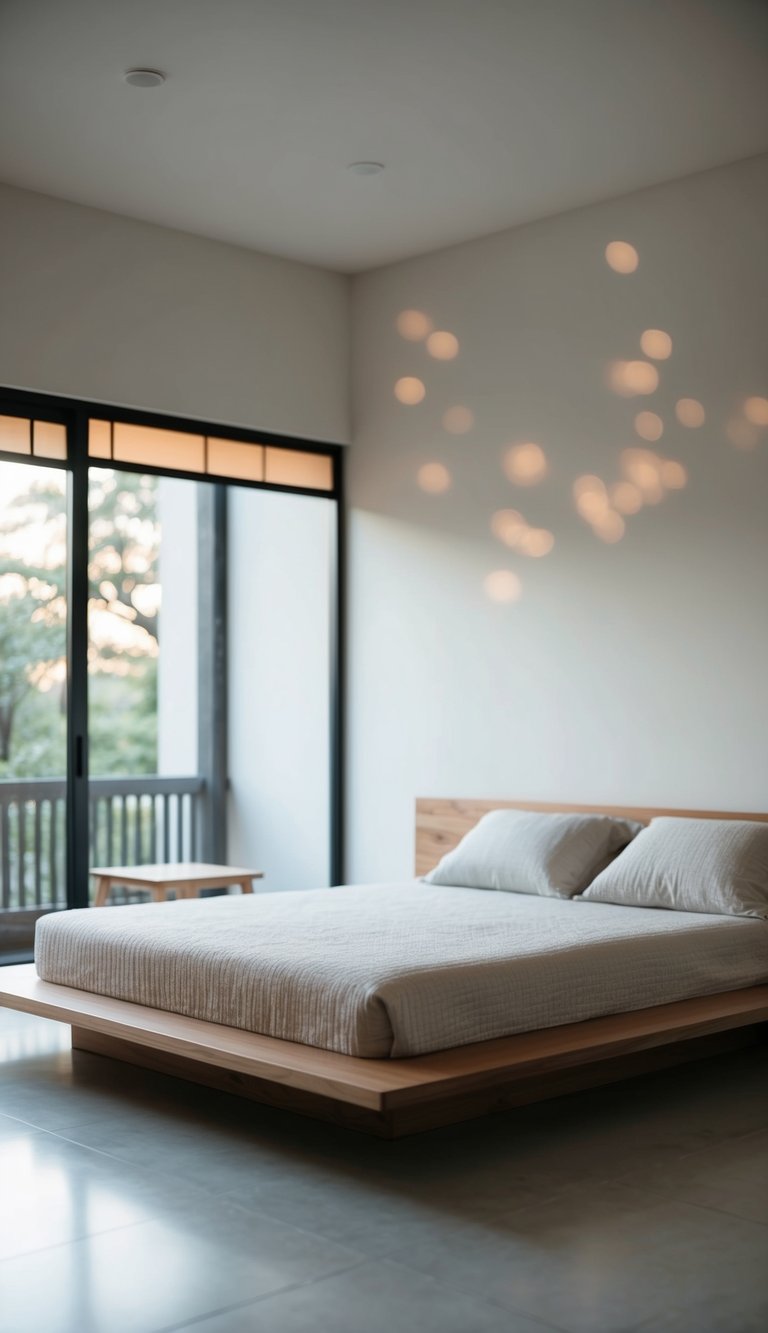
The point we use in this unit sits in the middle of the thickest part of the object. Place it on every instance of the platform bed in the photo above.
(395, 1097)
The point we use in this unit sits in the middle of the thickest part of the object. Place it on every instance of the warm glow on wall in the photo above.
(643, 468)
(756, 411)
(690, 412)
(591, 497)
(514, 531)
(610, 527)
(508, 526)
(657, 344)
(458, 420)
(409, 390)
(536, 542)
(621, 257)
(414, 325)
(434, 478)
(626, 498)
(629, 378)
(673, 475)
(526, 464)
(443, 346)
(649, 426)
(503, 585)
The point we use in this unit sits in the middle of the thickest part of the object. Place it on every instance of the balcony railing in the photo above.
(133, 821)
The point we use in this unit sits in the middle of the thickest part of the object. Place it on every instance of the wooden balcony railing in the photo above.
(133, 821)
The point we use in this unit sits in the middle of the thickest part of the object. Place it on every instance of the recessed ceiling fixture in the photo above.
(144, 78)
(365, 168)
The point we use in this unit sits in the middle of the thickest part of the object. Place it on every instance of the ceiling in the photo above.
(487, 113)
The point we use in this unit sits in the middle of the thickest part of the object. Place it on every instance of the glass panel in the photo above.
(289, 467)
(142, 623)
(33, 680)
(49, 440)
(16, 435)
(158, 448)
(231, 458)
(100, 439)
(279, 549)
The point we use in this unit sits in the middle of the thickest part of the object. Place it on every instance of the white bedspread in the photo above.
(398, 969)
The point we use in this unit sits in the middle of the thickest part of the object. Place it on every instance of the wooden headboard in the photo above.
(442, 823)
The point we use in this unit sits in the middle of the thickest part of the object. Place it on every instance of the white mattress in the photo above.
(398, 969)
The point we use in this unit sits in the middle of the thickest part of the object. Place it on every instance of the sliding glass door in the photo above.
(169, 653)
(145, 791)
(33, 678)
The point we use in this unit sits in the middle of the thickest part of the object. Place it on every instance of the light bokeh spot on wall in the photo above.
(673, 475)
(458, 420)
(508, 525)
(503, 585)
(536, 542)
(514, 531)
(742, 434)
(649, 426)
(626, 497)
(443, 346)
(629, 378)
(621, 257)
(657, 344)
(643, 468)
(414, 325)
(591, 497)
(690, 412)
(610, 527)
(526, 464)
(409, 390)
(434, 478)
(756, 411)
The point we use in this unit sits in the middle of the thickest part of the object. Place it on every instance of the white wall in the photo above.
(633, 672)
(100, 306)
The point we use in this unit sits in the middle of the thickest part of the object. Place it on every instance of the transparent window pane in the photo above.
(99, 439)
(146, 798)
(33, 685)
(290, 467)
(279, 552)
(232, 458)
(50, 440)
(152, 447)
(16, 435)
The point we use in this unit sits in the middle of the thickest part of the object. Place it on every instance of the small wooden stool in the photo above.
(187, 878)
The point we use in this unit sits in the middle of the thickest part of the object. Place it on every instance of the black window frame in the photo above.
(74, 414)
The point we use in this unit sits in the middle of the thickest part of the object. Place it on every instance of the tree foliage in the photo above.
(123, 619)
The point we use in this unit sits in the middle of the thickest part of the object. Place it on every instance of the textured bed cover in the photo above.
(398, 969)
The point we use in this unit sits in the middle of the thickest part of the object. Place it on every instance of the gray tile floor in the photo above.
(130, 1203)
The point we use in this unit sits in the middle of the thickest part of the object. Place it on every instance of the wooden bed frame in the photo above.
(395, 1097)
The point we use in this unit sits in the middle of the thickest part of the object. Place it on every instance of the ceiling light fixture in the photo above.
(144, 78)
(366, 168)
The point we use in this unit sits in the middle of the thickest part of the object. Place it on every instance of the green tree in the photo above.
(123, 617)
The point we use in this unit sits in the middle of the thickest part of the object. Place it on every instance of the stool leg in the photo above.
(246, 885)
(158, 893)
(103, 885)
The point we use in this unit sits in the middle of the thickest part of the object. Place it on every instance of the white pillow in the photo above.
(691, 865)
(522, 852)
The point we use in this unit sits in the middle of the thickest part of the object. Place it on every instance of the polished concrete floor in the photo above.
(130, 1203)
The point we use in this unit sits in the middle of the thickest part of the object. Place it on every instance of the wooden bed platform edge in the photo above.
(391, 1098)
